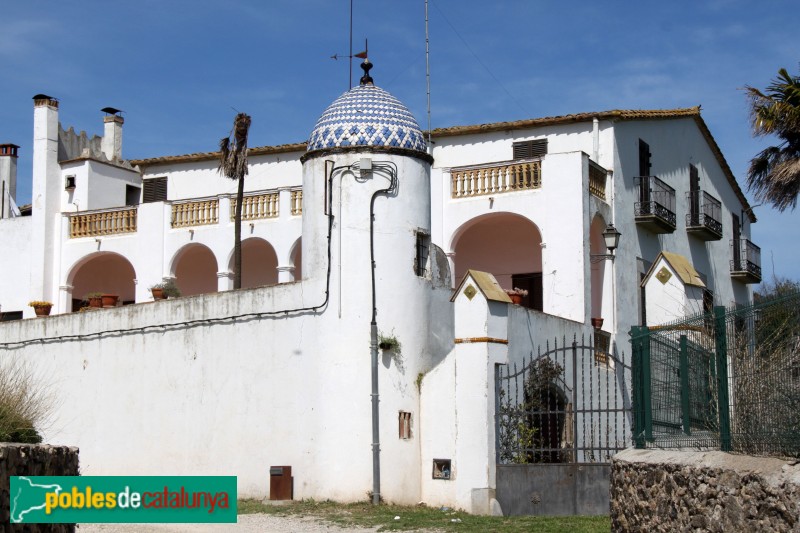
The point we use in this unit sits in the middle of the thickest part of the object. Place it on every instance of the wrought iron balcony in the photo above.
(703, 219)
(746, 262)
(655, 209)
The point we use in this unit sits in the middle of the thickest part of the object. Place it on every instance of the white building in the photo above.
(231, 382)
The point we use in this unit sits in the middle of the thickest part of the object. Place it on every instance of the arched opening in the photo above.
(548, 409)
(259, 263)
(597, 246)
(105, 272)
(297, 259)
(195, 270)
(507, 246)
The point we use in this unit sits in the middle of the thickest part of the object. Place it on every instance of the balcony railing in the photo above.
(746, 261)
(655, 209)
(297, 202)
(705, 213)
(597, 180)
(195, 213)
(496, 178)
(105, 222)
(258, 206)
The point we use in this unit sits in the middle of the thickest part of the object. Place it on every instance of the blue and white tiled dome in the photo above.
(367, 115)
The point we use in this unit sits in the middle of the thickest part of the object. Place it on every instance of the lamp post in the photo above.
(611, 237)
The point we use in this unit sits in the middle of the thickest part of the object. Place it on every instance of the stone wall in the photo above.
(661, 490)
(34, 460)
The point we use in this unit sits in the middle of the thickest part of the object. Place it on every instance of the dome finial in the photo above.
(366, 79)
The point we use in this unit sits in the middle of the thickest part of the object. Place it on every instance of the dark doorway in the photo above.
(532, 283)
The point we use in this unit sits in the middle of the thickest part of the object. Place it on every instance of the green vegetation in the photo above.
(24, 403)
(424, 518)
(774, 174)
(170, 289)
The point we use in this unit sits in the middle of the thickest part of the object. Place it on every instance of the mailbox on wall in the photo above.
(281, 483)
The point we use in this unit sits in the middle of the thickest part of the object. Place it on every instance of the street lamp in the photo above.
(611, 237)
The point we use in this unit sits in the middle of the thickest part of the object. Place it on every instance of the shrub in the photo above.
(24, 403)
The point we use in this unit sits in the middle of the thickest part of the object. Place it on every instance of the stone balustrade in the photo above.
(195, 213)
(102, 222)
(495, 179)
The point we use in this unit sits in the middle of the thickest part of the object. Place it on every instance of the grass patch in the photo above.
(421, 517)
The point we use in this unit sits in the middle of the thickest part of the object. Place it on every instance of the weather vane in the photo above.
(350, 56)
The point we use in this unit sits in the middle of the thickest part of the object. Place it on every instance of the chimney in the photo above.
(112, 133)
(8, 178)
(47, 189)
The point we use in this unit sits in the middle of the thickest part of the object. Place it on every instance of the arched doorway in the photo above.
(195, 270)
(259, 263)
(506, 245)
(106, 272)
(597, 246)
(297, 259)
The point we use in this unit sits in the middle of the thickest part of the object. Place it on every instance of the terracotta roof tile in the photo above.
(209, 156)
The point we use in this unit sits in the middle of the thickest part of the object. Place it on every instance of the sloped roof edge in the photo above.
(682, 267)
(209, 156)
(486, 283)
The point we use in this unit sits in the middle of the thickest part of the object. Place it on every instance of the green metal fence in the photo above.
(727, 380)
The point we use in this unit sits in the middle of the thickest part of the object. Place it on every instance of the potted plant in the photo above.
(516, 294)
(165, 289)
(110, 300)
(388, 343)
(597, 323)
(158, 291)
(95, 299)
(41, 308)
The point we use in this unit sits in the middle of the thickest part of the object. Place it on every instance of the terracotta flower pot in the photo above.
(110, 300)
(597, 323)
(42, 310)
(95, 301)
(516, 299)
(158, 294)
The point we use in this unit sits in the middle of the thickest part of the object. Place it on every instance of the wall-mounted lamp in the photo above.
(611, 237)
(69, 183)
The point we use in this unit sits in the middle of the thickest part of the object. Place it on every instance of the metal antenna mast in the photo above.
(428, 71)
(350, 82)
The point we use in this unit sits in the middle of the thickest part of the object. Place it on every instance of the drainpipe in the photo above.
(373, 330)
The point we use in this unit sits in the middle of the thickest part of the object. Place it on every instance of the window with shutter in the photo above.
(154, 190)
(644, 158)
(530, 149)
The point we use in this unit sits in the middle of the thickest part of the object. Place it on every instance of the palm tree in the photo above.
(233, 165)
(774, 174)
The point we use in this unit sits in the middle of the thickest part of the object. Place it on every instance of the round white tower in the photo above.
(366, 236)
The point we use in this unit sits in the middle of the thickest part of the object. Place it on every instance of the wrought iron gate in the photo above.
(560, 416)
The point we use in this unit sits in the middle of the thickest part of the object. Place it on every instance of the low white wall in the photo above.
(176, 388)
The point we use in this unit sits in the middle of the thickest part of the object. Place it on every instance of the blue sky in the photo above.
(180, 68)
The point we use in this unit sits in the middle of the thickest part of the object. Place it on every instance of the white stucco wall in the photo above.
(671, 299)
(457, 403)
(15, 263)
(200, 178)
(674, 144)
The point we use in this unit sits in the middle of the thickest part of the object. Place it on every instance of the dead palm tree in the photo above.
(233, 165)
(774, 174)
